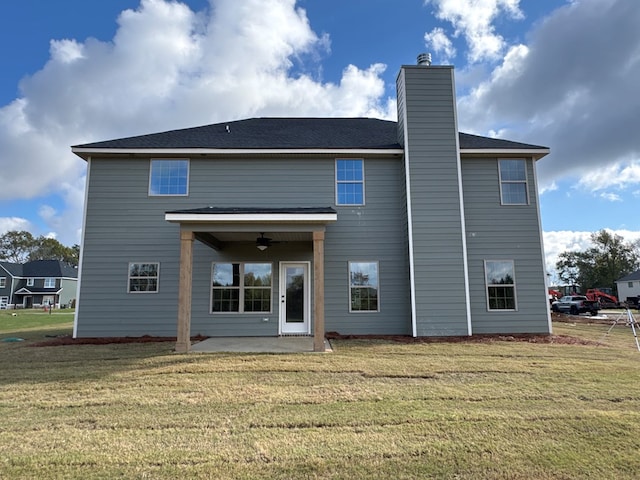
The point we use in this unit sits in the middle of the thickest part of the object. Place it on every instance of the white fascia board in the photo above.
(235, 151)
(250, 217)
(537, 153)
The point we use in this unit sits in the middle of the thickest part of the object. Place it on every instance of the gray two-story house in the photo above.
(37, 283)
(301, 226)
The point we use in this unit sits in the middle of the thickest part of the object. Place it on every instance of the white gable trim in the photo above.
(251, 217)
(237, 151)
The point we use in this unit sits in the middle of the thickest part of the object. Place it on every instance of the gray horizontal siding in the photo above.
(125, 225)
(431, 145)
(503, 232)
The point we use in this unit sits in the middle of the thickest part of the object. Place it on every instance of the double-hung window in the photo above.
(363, 287)
(349, 182)
(501, 284)
(241, 288)
(169, 177)
(143, 277)
(49, 282)
(30, 282)
(513, 182)
(3, 282)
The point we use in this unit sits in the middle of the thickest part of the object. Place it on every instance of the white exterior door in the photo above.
(294, 298)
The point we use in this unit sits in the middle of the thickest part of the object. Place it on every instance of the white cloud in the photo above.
(168, 67)
(571, 90)
(438, 41)
(619, 175)
(473, 19)
(8, 224)
(611, 197)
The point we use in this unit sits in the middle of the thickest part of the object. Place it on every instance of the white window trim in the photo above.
(487, 285)
(169, 194)
(525, 181)
(143, 291)
(349, 287)
(30, 282)
(47, 283)
(364, 196)
(241, 289)
(3, 282)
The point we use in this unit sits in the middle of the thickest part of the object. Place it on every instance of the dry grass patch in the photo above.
(372, 409)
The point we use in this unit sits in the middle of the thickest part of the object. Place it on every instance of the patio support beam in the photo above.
(318, 291)
(183, 342)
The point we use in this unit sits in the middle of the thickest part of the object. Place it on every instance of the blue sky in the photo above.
(557, 73)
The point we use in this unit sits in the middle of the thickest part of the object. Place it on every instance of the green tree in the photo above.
(51, 249)
(608, 259)
(21, 246)
(15, 246)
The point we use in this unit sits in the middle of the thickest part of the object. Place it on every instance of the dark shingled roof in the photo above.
(290, 133)
(41, 268)
(14, 269)
(630, 277)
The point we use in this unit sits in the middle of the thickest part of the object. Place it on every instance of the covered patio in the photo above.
(219, 227)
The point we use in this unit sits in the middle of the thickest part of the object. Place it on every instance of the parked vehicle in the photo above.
(575, 305)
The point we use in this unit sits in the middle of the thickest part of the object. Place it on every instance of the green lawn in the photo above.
(371, 409)
(14, 320)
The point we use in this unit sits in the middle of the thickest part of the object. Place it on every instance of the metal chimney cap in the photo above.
(424, 59)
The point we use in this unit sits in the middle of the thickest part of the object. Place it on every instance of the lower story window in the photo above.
(241, 287)
(501, 284)
(143, 277)
(363, 287)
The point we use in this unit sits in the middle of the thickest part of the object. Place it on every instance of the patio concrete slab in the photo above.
(257, 345)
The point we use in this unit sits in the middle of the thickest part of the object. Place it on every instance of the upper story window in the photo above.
(513, 182)
(29, 282)
(169, 177)
(3, 282)
(143, 277)
(363, 287)
(501, 284)
(629, 284)
(349, 182)
(50, 283)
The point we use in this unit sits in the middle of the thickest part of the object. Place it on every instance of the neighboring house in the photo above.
(629, 286)
(310, 225)
(37, 283)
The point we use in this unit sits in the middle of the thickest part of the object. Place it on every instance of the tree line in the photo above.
(22, 246)
(599, 266)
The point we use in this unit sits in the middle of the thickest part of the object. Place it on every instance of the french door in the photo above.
(294, 298)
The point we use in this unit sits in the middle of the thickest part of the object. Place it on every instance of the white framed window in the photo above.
(169, 177)
(363, 287)
(629, 284)
(349, 181)
(143, 277)
(513, 181)
(49, 282)
(29, 282)
(241, 287)
(3, 282)
(501, 284)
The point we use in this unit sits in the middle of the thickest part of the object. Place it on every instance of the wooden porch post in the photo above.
(318, 291)
(183, 343)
